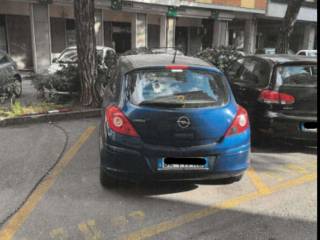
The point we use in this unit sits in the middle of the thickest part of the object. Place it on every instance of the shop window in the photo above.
(121, 36)
(70, 32)
(3, 34)
(153, 36)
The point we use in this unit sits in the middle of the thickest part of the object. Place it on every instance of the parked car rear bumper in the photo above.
(139, 164)
(286, 126)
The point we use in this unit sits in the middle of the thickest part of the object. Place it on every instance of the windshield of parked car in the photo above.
(71, 56)
(177, 88)
(297, 75)
(3, 58)
(312, 54)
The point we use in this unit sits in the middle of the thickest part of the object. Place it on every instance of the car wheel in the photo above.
(231, 179)
(17, 87)
(107, 181)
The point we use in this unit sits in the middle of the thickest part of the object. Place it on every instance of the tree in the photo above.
(86, 48)
(287, 25)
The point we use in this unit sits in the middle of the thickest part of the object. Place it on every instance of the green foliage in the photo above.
(16, 108)
(221, 57)
(137, 51)
(7, 84)
(67, 79)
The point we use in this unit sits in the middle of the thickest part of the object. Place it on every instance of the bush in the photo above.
(67, 78)
(221, 57)
(137, 51)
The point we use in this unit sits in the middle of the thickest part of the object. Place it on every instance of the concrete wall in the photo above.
(14, 8)
(278, 10)
(41, 39)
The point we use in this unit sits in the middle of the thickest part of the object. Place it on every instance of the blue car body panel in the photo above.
(138, 157)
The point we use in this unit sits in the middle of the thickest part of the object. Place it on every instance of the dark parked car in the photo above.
(280, 94)
(165, 121)
(10, 79)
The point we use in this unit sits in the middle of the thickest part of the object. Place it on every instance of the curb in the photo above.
(51, 117)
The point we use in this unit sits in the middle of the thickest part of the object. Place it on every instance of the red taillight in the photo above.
(274, 97)
(240, 122)
(177, 67)
(119, 123)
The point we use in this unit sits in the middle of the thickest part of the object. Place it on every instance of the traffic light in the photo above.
(116, 4)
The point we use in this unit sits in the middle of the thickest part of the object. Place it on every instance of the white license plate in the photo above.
(162, 165)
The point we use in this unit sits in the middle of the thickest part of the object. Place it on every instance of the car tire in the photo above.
(106, 181)
(231, 179)
(18, 87)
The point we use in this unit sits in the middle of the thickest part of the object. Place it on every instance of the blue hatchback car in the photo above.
(163, 121)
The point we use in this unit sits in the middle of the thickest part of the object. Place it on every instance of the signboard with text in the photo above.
(251, 4)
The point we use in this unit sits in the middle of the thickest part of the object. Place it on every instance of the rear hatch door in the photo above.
(179, 107)
(299, 81)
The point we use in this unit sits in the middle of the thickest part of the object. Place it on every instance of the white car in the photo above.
(308, 53)
(70, 56)
(167, 51)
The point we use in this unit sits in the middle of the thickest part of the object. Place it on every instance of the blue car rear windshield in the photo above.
(176, 88)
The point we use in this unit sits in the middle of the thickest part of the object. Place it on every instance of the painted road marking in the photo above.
(137, 215)
(296, 168)
(58, 234)
(18, 219)
(119, 221)
(90, 230)
(231, 203)
(273, 174)
(257, 182)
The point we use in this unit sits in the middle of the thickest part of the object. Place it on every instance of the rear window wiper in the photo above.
(162, 104)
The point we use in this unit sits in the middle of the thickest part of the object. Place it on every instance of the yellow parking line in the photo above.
(137, 215)
(274, 175)
(90, 230)
(18, 219)
(258, 183)
(296, 168)
(196, 215)
(58, 234)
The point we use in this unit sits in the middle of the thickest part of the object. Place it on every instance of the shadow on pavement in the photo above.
(284, 146)
(152, 188)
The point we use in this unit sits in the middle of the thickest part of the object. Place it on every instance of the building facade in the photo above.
(34, 31)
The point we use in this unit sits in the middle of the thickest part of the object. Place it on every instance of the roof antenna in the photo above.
(174, 57)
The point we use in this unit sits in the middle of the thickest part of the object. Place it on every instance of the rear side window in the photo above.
(297, 75)
(176, 89)
(254, 73)
(4, 59)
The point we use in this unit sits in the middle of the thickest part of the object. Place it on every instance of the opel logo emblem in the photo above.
(184, 122)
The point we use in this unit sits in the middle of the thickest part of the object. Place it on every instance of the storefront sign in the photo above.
(116, 4)
(172, 12)
(249, 4)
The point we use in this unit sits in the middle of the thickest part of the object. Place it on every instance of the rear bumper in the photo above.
(142, 164)
(286, 126)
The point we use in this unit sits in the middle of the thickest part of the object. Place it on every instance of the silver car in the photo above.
(10, 78)
(70, 56)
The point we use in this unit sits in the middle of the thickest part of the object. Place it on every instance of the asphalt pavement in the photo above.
(277, 198)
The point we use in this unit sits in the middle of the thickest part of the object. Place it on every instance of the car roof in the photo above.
(133, 62)
(97, 47)
(308, 50)
(285, 58)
